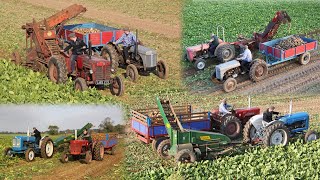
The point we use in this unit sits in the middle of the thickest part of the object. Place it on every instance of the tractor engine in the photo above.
(297, 121)
(228, 69)
(21, 143)
(147, 57)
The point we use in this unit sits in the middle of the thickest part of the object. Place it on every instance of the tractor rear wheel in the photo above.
(88, 157)
(199, 64)
(162, 70)
(155, 143)
(64, 157)
(249, 132)
(225, 52)
(132, 73)
(57, 70)
(276, 134)
(114, 55)
(259, 70)
(16, 58)
(230, 85)
(80, 84)
(47, 148)
(98, 151)
(311, 135)
(7, 152)
(185, 156)
(305, 58)
(117, 86)
(231, 126)
(163, 149)
(29, 155)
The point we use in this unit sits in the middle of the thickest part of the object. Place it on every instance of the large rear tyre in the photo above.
(259, 70)
(305, 58)
(199, 64)
(64, 157)
(163, 149)
(98, 151)
(225, 52)
(249, 133)
(185, 156)
(88, 157)
(162, 70)
(57, 71)
(231, 126)
(132, 73)
(230, 85)
(47, 148)
(117, 86)
(29, 155)
(311, 135)
(80, 84)
(276, 134)
(155, 143)
(114, 56)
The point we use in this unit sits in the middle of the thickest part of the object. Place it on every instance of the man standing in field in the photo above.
(37, 135)
(246, 58)
(223, 107)
(267, 115)
(213, 43)
(128, 39)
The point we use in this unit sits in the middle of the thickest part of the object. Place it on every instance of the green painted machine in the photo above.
(188, 145)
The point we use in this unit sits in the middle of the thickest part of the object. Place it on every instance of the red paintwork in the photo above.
(76, 146)
(244, 114)
(192, 51)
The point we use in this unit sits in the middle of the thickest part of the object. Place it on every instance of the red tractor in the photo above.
(85, 150)
(232, 124)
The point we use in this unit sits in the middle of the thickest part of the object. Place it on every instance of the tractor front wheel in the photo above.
(163, 149)
(199, 64)
(162, 70)
(47, 148)
(249, 133)
(231, 126)
(311, 135)
(57, 71)
(98, 151)
(225, 52)
(117, 86)
(276, 134)
(64, 157)
(132, 73)
(88, 157)
(80, 84)
(185, 156)
(305, 58)
(29, 155)
(230, 85)
(259, 70)
(7, 152)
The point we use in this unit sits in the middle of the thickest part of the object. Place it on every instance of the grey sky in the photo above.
(16, 118)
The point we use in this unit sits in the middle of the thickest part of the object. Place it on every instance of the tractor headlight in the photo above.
(16, 142)
(91, 72)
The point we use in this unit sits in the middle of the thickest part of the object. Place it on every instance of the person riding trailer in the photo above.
(246, 59)
(268, 115)
(127, 39)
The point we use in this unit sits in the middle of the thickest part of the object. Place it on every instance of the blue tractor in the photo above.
(26, 145)
(279, 131)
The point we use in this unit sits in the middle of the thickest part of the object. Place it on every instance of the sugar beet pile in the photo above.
(290, 42)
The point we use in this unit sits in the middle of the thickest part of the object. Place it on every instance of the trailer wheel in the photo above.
(259, 70)
(64, 157)
(249, 132)
(185, 156)
(155, 143)
(199, 64)
(225, 52)
(163, 149)
(114, 56)
(132, 73)
(88, 157)
(16, 58)
(230, 85)
(311, 135)
(305, 58)
(276, 134)
(7, 152)
(162, 70)
(57, 71)
(47, 148)
(231, 126)
(117, 86)
(80, 84)
(29, 155)
(98, 151)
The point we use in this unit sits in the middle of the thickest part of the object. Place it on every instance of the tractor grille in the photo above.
(99, 73)
(15, 142)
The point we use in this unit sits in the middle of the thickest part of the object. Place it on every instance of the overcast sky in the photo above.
(14, 118)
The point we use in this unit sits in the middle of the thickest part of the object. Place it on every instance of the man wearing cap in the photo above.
(246, 58)
(223, 107)
(267, 115)
(77, 46)
(213, 43)
(37, 135)
(128, 39)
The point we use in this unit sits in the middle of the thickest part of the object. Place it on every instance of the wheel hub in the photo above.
(231, 128)
(226, 53)
(259, 71)
(277, 137)
(312, 137)
(200, 65)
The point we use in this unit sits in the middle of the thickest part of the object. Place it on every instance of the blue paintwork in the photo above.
(109, 143)
(22, 148)
(296, 117)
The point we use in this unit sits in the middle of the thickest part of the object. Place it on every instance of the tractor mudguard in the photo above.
(184, 146)
(256, 121)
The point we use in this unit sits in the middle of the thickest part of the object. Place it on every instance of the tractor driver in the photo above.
(86, 135)
(213, 43)
(267, 115)
(127, 39)
(223, 107)
(77, 46)
(37, 135)
(246, 58)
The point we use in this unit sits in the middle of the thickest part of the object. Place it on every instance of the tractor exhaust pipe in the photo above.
(249, 99)
(136, 45)
(75, 134)
(290, 107)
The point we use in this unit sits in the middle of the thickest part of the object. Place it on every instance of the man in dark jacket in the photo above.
(267, 115)
(86, 136)
(37, 135)
(77, 46)
(213, 44)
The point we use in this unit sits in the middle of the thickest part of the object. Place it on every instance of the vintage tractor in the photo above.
(279, 131)
(226, 51)
(142, 60)
(26, 145)
(232, 124)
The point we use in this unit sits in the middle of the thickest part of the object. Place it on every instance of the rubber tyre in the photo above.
(225, 52)
(258, 70)
(132, 73)
(199, 64)
(229, 85)
(6, 152)
(64, 157)
(162, 70)
(98, 151)
(114, 56)
(267, 141)
(248, 131)
(231, 126)
(117, 86)
(155, 143)
(80, 84)
(164, 148)
(57, 71)
(30, 155)
(185, 156)
(88, 157)
(305, 58)
(47, 148)
(311, 135)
